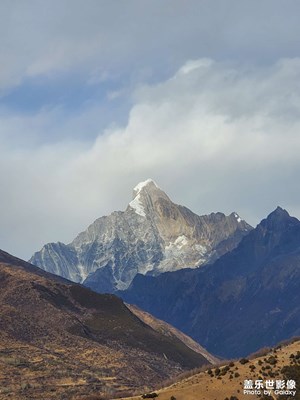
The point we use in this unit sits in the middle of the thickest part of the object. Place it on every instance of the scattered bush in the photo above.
(271, 360)
(149, 395)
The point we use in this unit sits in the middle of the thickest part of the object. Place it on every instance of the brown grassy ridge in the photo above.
(226, 380)
(63, 341)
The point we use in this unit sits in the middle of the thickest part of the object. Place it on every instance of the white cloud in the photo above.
(218, 138)
(192, 65)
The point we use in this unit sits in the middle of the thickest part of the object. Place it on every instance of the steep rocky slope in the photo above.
(60, 340)
(247, 299)
(168, 330)
(152, 236)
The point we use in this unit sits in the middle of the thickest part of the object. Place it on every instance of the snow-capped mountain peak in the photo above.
(143, 184)
(153, 235)
(142, 192)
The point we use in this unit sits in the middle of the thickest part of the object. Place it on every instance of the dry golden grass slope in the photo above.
(227, 380)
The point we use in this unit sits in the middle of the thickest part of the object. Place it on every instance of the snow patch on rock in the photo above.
(141, 185)
(238, 218)
(201, 249)
(82, 273)
(177, 244)
(137, 205)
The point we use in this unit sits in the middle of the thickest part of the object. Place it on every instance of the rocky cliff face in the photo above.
(153, 235)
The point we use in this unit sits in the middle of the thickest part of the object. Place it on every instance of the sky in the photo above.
(203, 96)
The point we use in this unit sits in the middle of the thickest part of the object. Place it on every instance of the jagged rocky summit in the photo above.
(153, 235)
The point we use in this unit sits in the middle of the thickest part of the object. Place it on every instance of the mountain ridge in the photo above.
(151, 236)
(252, 292)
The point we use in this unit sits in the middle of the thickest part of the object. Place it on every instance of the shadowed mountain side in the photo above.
(169, 331)
(247, 299)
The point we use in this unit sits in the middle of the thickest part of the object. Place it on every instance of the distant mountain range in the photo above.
(245, 295)
(152, 236)
(56, 336)
(247, 299)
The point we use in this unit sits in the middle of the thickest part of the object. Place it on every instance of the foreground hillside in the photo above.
(226, 382)
(168, 330)
(63, 341)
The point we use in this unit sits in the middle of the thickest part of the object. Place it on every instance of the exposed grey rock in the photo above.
(153, 235)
